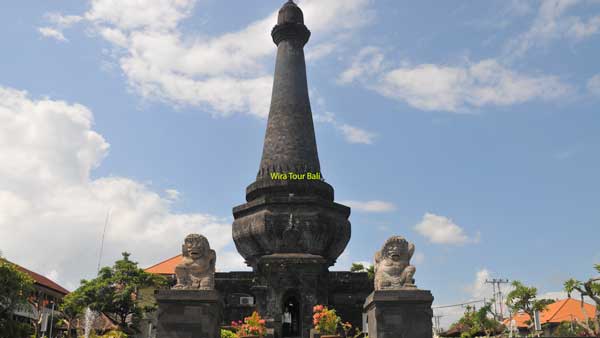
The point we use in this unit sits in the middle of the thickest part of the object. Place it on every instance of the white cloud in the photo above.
(63, 21)
(593, 85)
(59, 23)
(319, 51)
(455, 89)
(224, 74)
(476, 291)
(442, 230)
(352, 134)
(50, 32)
(554, 295)
(368, 61)
(53, 212)
(173, 194)
(552, 23)
(480, 289)
(370, 206)
(451, 88)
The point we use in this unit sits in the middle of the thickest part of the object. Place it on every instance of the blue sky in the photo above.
(471, 128)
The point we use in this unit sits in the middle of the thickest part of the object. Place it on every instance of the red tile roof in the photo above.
(41, 280)
(166, 267)
(564, 310)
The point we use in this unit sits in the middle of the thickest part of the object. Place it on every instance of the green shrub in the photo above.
(227, 334)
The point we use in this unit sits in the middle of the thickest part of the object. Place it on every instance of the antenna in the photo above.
(106, 221)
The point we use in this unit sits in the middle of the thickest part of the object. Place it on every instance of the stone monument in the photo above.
(291, 231)
(192, 308)
(397, 308)
(197, 268)
(392, 265)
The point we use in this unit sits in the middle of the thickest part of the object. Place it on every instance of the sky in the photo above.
(471, 128)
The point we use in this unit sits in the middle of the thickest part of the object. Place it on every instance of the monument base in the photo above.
(399, 314)
(188, 314)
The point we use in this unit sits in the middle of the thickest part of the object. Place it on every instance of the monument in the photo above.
(397, 308)
(291, 231)
(192, 308)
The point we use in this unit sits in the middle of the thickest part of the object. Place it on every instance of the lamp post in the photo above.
(52, 318)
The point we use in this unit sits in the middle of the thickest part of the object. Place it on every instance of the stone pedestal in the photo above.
(188, 313)
(399, 314)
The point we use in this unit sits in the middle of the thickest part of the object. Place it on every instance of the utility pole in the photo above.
(497, 296)
(436, 320)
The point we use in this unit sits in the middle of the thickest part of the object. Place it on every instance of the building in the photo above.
(566, 310)
(290, 231)
(44, 300)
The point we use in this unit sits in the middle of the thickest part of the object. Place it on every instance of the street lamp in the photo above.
(52, 318)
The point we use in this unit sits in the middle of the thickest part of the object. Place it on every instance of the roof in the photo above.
(567, 310)
(563, 310)
(41, 280)
(166, 267)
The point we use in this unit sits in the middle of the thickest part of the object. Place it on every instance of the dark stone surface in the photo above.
(188, 313)
(290, 232)
(285, 216)
(399, 314)
(345, 291)
(292, 224)
(347, 294)
(290, 143)
(233, 286)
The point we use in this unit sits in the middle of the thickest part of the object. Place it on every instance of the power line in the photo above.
(459, 304)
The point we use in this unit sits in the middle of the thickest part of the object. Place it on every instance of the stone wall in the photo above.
(347, 294)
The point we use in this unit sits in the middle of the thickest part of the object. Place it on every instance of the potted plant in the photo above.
(252, 327)
(349, 332)
(326, 321)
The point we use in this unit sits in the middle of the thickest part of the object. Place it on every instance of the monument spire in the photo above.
(293, 212)
(290, 144)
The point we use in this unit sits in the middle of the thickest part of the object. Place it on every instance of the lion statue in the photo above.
(197, 268)
(392, 265)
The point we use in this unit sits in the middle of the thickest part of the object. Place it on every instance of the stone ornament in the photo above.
(392, 265)
(197, 268)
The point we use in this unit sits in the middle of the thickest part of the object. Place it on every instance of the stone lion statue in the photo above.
(197, 268)
(392, 265)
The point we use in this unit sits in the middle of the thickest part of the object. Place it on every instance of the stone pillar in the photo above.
(188, 314)
(399, 314)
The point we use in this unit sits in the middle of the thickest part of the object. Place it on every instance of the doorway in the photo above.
(291, 316)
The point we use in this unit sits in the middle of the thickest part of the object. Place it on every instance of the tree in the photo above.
(591, 289)
(474, 322)
(359, 267)
(72, 306)
(524, 298)
(15, 286)
(115, 293)
(568, 329)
